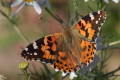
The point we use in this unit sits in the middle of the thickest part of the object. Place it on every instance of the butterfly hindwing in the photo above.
(90, 25)
(64, 63)
(88, 51)
(43, 49)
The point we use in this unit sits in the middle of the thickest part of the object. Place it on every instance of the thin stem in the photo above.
(112, 72)
(114, 43)
(55, 17)
(14, 26)
(27, 76)
(20, 34)
(75, 5)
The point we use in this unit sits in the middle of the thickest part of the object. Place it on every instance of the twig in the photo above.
(55, 17)
(20, 34)
(14, 26)
(27, 75)
(112, 72)
(113, 43)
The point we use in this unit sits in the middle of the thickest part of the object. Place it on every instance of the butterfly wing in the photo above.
(43, 49)
(47, 50)
(91, 65)
(90, 25)
(65, 63)
(88, 52)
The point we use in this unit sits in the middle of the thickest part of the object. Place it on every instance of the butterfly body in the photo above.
(69, 44)
(71, 49)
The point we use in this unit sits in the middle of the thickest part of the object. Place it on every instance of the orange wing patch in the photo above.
(43, 49)
(64, 63)
(88, 50)
(90, 25)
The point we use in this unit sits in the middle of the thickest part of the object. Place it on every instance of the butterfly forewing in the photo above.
(43, 49)
(90, 25)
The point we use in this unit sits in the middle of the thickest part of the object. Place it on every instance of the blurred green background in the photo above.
(34, 26)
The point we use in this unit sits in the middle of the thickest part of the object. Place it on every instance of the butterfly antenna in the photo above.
(68, 19)
(73, 20)
(80, 15)
(108, 14)
(61, 21)
(98, 3)
(56, 17)
(76, 16)
(90, 8)
(104, 8)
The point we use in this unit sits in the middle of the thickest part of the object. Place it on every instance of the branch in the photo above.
(55, 17)
(111, 73)
(113, 43)
(14, 26)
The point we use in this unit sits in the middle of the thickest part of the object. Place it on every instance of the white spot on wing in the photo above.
(35, 53)
(38, 60)
(90, 69)
(30, 53)
(63, 74)
(105, 17)
(27, 52)
(72, 75)
(26, 49)
(34, 45)
(91, 16)
(96, 22)
(101, 24)
(91, 61)
(97, 34)
(32, 60)
(43, 62)
(99, 28)
(56, 70)
(28, 60)
(98, 12)
(95, 39)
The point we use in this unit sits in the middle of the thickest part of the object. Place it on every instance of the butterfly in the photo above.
(71, 49)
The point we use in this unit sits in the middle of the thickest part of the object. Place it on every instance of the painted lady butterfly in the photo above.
(71, 49)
